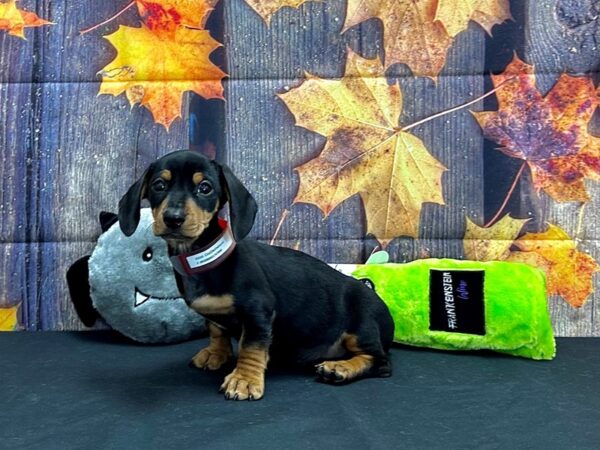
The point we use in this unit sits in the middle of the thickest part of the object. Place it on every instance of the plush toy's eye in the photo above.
(159, 185)
(204, 188)
(147, 255)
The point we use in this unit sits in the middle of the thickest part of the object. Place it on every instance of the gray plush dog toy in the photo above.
(129, 282)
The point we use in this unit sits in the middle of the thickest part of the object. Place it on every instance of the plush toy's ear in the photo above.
(242, 206)
(130, 203)
(79, 288)
(107, 220)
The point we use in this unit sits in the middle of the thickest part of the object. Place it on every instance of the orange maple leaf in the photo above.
(154, 68)
(169, 14)
(456, 14)
(366, 152)
(569, 271)
(15, 20)
(419, 33)
(548, 132)
(266, 8)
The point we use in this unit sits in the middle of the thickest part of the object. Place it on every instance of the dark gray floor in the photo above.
(95, 390)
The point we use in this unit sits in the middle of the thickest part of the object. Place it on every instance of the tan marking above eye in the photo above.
(166, 175)
(197, 177)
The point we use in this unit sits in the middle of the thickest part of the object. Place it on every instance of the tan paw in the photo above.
(210, 358)
(345, 370)
(332, 372)
(238, 386)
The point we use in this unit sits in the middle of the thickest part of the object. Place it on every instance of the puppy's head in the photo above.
(185, 190)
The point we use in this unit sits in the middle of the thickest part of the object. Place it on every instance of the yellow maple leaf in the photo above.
(492, 12)
(15, 20)
(366, 153)
(419, 33)
(456, 14)
(569, 271)
(410, 34)
(266, 8)
(8, 318)
(155, 68)
(168, 14)
(491, 243)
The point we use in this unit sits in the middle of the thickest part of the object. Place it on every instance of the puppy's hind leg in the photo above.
(368, 359)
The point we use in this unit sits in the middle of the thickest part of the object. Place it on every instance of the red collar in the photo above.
(207, 257)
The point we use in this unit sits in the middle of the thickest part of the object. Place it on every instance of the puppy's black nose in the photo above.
(173, 218)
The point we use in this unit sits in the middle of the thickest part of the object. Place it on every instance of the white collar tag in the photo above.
(207, 257)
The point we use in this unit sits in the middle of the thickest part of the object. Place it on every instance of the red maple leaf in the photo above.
(548, 132)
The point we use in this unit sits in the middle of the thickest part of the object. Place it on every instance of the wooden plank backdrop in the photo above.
(17, 97)
(68, 154)
(263, 145)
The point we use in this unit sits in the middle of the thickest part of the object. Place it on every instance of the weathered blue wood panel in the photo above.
(17, 170)
(76, 153)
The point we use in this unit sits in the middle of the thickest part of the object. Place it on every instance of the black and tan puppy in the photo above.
(276, 301)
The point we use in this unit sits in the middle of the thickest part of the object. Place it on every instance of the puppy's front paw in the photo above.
(241, 386)
(211, 358)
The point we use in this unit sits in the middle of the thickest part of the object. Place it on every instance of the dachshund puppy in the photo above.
(276, 301)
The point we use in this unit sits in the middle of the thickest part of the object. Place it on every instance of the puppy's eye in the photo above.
(147, 255)
(204, 188)
(159, 185)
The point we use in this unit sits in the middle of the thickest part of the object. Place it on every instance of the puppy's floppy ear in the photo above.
(130, 203)
(242, 206)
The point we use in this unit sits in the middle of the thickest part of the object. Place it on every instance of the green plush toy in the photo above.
(465, 305)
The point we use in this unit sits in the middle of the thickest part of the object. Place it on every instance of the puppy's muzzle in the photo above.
(174, 218)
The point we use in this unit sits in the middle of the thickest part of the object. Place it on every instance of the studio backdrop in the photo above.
(430, 128)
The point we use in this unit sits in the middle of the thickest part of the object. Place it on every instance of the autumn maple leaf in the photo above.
(15, 20)
(548, 132)
(266, 8)
(8, 318)
(419, 33)
(491, 243)
(456, 14)
(366, 151)
(569, 272)
(169, 14)
(155, 68)
(410, 34)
